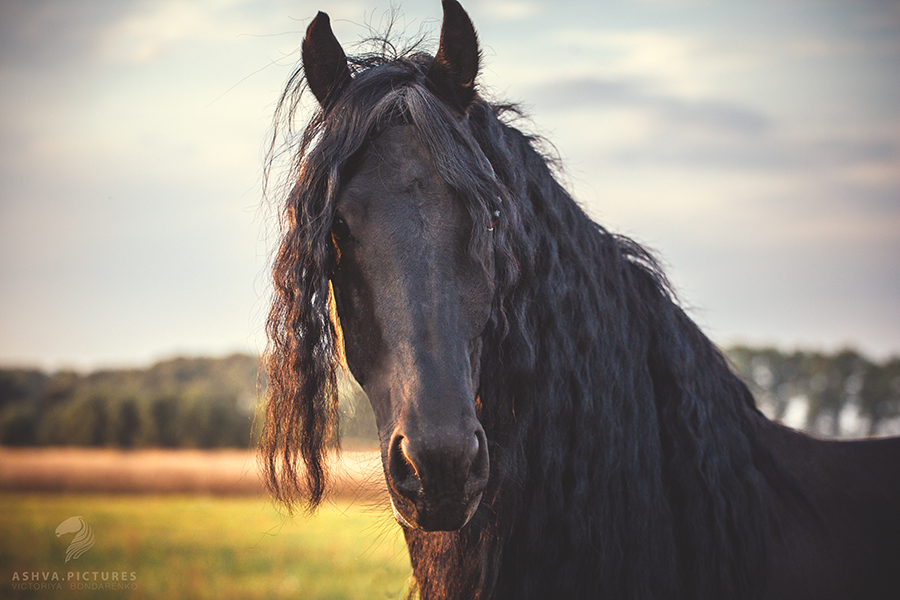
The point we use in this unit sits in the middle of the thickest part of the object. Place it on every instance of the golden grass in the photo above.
(219, 472)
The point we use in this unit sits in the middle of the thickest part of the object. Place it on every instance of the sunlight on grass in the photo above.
(202, 547)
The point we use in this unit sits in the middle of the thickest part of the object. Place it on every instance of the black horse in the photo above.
(552, 424)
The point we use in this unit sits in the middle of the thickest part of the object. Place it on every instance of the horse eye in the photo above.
(339, 228)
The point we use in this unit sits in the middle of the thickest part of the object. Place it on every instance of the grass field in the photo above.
(198, 547)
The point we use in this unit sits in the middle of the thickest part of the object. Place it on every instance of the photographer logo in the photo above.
(83, 540)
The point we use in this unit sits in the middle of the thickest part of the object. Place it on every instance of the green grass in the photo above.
(204, 547)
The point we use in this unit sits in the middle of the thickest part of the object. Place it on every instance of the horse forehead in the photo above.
(401, 164)
(400, 148)
(398, 183)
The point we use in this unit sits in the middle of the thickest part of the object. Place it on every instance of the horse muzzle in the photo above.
(436, 481)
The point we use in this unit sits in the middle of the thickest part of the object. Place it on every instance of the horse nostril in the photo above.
(479, 468)
(402, 469)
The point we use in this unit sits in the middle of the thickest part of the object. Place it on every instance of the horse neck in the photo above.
(611, 407)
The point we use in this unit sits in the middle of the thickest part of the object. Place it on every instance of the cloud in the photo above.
(510, 10)
(631, 121)
(603, 94)
(51, 34)
(681, 143)
(145, 35)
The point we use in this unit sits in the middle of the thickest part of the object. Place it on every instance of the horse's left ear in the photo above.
(452, 74)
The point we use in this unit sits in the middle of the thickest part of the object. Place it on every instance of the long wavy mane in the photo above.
(595, 384)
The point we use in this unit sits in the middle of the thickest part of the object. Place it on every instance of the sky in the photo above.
(755, 147)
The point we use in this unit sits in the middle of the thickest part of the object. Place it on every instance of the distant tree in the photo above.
(18, 425)
(80, 422)
(881, 395)
(126, 423)
(163, 430)
(20, 385)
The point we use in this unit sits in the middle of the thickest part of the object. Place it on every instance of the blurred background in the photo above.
(754, 147)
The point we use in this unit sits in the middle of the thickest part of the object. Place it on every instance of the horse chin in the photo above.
(443, 519)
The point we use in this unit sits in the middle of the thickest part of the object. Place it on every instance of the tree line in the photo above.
(212, 402)
(842, 394)
(178, 403)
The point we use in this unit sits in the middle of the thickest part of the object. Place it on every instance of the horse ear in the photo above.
(324, 61)
(452, 74)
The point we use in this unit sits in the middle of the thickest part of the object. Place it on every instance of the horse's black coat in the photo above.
(614, 453)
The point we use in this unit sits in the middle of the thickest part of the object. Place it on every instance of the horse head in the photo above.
(413, 292)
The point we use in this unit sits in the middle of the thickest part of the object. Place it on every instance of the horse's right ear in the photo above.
(324, 61)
